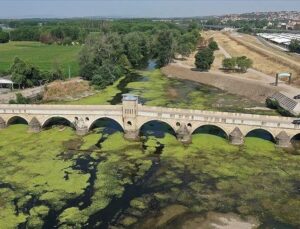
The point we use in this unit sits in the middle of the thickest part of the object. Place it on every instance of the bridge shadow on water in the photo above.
(262, 134)
(17, 120)
(105, 127)
(57, 121)
(211, 130)
(157, 129)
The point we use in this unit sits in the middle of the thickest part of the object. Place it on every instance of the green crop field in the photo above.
(41, 55)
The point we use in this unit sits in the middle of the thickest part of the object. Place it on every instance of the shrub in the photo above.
(204, 59)
(213, 45)
(4, 37)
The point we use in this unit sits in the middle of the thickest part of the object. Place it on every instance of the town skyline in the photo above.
(138, 9)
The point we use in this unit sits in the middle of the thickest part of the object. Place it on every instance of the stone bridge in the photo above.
(132, 116)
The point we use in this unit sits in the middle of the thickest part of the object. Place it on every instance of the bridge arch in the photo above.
(295, 140)
(261, 133)
(17, 120)
(113, 124)
(212, 130)
(157, 127)
(57, 120)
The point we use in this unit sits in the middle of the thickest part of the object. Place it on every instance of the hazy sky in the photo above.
(137, 8)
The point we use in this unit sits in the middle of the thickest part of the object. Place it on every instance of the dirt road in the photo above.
(28, 93)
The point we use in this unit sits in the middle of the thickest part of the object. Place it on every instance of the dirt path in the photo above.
(263, 78)
(266, 59)
(28, 93)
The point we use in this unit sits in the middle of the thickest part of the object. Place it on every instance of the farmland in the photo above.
(40, 55)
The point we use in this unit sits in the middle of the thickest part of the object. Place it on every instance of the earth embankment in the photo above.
(250, 89)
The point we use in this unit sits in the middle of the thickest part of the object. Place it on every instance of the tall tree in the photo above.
(4, 37)
(165, 47)
(137, 49)
(100, 58)
(204, 59)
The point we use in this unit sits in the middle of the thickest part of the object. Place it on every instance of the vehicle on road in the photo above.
(297, 97)
(296, 121)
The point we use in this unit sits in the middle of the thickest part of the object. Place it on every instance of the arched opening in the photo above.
(17, 120)
(261, 133)
(295, 141)
(57, 121)
(211, 130)
(106, 126)
(156, 128)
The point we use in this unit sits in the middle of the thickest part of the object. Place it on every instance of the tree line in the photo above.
(66, 31)
(27, 75)
(108, 55)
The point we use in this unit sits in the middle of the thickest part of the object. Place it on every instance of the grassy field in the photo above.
(41, 55)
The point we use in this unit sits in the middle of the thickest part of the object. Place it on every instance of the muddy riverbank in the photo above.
(234, 85)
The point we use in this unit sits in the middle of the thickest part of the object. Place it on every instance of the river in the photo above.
(55, 179)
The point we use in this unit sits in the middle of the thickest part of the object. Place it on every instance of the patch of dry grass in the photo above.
(262, 60)
(65, 90)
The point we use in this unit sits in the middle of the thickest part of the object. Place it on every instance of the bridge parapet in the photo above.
(132, 116)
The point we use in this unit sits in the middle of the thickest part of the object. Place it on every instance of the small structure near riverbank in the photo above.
(285, 102)
(6, 85)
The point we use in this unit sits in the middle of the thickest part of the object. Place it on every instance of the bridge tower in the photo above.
(130, 111)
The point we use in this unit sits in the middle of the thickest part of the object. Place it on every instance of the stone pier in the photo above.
(132, 116)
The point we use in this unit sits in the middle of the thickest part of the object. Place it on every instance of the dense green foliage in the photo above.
(213, 45)
(27, 75)
(25, 34)
(204, 59)
(229, 63)
(294, 46)
(165, 48)
(110, 47)
(243, 63)
(137, 48)
(240, 64)
(4, 37)
(107, 55)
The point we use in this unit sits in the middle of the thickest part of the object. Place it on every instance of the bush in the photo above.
(4, 37)
(294, 46)
(244, 63)
(229, 63)
(204, 59)
(213, 45)
(20, 99)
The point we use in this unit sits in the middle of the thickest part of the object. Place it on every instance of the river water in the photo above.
(56, 179)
